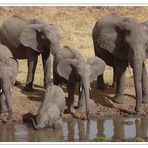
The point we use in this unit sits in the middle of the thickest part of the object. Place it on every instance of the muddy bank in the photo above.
(101, 104)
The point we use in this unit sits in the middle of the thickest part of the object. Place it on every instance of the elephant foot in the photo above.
(57, 124)
(114, 84)
(138, 108)
(4, 118)
(145, 99)
(28, 88)
(80, 113)
(101, 87)
(46, 85)
(119, 99)
(70, 110)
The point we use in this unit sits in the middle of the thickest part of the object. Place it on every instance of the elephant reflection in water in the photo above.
(84, 136)
(118, 129)
(82, 133)
(7, 133)
(100, 128)
(45, 135)
(142, 127)
(70, 128)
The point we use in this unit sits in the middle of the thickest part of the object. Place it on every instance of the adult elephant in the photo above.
(27, 39)
(120, 41)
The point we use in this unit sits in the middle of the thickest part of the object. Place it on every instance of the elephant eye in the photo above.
(132, 54)
(43, 36)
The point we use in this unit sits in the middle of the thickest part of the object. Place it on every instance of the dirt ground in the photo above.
(75, 25)
(100, 102)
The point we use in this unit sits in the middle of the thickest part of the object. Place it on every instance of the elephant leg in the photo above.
(32, 57)
(7, 93)
(46, 59)
(100, 83)
(120, 77)
(56, 78)
(144, 85)
(114, 78)
(81, 103)
(70, 100)
(4, 109)
(57, 124)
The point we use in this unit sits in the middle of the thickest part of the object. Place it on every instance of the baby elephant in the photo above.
(8, 73)
(71, 68)
(51, 109)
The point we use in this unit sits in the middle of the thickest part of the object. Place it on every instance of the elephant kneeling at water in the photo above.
(8, 73)
(51, 109)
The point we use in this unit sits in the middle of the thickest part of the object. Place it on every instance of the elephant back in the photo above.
(11, 30)
(68, 53)
(55, 95)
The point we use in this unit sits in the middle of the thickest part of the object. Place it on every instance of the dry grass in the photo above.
(75, 26)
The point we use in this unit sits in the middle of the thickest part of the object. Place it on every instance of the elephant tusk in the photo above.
(11, 89)
(80, 89)
(1, 90)
(90, 88)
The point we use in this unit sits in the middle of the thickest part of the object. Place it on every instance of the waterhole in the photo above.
(119, 129)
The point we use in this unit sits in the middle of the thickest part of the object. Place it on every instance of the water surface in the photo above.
(78, 131)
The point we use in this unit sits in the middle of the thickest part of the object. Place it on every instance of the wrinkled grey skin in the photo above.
(70, 67)
(121, 41)
(145, 25)
(51, 109)
(8, 73)
(27, 39)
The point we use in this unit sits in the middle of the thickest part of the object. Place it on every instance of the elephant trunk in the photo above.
(137, 73)
(86, 86)
(35, 126)
(54, 47)
(12, 62)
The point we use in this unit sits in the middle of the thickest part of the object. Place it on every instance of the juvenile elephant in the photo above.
(51, 109)
(121, 41)
(27, 39)
(70, 67)
(8, 73)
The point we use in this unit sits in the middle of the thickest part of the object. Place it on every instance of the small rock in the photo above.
(127, 122)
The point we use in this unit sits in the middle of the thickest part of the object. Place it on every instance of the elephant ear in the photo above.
(110, 38)
(145, 27)
(28, 36)
(64, 68)
(97, 66)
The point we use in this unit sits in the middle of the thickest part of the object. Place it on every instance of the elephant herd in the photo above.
(118, 42)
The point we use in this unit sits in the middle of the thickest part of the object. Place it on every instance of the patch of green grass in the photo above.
(139, 140)
(101, 139)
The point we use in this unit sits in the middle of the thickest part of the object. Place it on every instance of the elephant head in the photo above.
(46, 119)
(79, 71)
(40, 35)
(13, 63)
